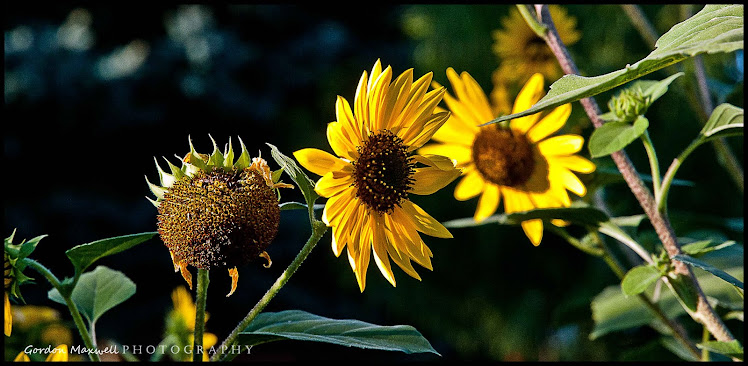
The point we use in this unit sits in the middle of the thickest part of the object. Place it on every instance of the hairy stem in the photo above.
(704, 313)
(318, 229)
(77, 318)
(203, 279)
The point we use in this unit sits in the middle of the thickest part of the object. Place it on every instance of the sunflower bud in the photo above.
(13, 277)
(215, 212)
(630, 104)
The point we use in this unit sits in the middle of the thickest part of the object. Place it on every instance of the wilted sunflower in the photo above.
(521, 52)
(521, 163)
(369, 182)
(214, 212)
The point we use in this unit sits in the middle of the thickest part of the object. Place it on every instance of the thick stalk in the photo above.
(318, 229)
(704, 312)
(203, 279)
(77, 318)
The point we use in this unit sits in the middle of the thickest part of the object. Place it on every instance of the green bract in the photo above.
(14, 265)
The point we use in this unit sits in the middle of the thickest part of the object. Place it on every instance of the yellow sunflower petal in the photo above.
(340, 142)
(335, 207)
(460, 153)
(470, 186)
(550, 123)
(572, 182)
(379, 247)
(424, 222)
(575, 163)
(395, 242)
(561, 145)
(22, 357)
(405, 230)
(59, 354)
(317, 161)
(470, 94)
(529, 95)
(431, 179)
(329, 185)
(533, 230)
(488, 202)
(7, 315)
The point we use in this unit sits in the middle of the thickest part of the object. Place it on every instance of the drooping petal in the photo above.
(340, 143)
(379, 247)
(234, 274)
(7, 315)
(424, 222)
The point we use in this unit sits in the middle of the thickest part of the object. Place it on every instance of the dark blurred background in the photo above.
(94, 93)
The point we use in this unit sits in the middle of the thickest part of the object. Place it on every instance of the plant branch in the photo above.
(704, 313)
(82, 330)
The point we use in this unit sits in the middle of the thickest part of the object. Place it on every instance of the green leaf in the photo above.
(709, 268)
(638, 279)
(613, 311)
(614, 136)
(702, 247)
(677, 348)
(303, 326)
(298, 206)
(98, 291)
(731, 349)
(85, 255)
(655, 89)
(726, 120)
(302, 181)
(684, 289)
(714, 29)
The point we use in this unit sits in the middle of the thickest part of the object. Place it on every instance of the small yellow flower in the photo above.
(215, 212)
(521, 163)
(369, 182)
(521, 52)
(181, 323)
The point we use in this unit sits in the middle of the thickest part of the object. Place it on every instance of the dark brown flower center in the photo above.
(502, 156)
(223, 219)
(537, 50)
(383, 173)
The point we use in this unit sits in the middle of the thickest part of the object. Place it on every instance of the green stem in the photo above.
(318, 229)
(67, 296)
(667, 181)
(202, 293)
(615, 232)
(654, 164)
(532, 21)
(641, 23)
(704, 338)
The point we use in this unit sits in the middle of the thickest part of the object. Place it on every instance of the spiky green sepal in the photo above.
(14, 266)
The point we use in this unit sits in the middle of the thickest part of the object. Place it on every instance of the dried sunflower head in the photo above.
(216, 211)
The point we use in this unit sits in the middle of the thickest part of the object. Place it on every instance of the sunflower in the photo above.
(520, 163)
(369, 182)
(521, 52)
(215, 212)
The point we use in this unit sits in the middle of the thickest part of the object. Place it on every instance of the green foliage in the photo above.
(614, 136)
(638, 279)
(97, 292)
(84, 255)
(709, 268)
(726, 120)
(731, 349)
(582, 215)
(300, 325)
(716, 28)
(15, 253)
(302, 181)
